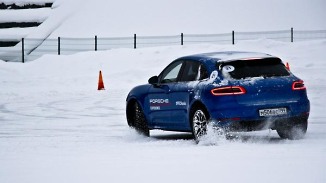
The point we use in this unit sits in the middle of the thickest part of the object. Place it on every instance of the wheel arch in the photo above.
(198, 105)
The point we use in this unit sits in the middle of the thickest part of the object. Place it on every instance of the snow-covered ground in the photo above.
(56, 127)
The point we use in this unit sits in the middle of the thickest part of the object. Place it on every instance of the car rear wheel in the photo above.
(293, 132)
(199, 120)
(138, 120)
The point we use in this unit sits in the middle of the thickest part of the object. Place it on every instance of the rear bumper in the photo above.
(247, 118)
(261, 124)
(228, 111)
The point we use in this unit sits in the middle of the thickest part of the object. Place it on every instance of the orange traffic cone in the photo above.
(100, 82)
(287, 65)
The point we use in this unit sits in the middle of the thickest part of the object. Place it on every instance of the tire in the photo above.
(199, 120)
(293, 132)
(137, 120)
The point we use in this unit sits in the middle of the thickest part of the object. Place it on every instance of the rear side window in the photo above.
(194, 71)
(266, 67)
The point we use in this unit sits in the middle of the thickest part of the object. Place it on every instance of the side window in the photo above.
(203, 73)
(170, 74)
(194, 71)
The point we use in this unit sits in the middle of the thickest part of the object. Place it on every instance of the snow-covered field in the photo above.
(55, 126)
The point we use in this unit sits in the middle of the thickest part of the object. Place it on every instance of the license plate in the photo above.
(272, 112)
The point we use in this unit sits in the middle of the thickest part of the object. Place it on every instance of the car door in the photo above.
(169, 101)
(158, 101)
(184, 91)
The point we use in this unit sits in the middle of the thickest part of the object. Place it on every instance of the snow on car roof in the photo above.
(231, 55)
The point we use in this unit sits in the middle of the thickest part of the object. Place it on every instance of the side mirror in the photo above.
(153, 80)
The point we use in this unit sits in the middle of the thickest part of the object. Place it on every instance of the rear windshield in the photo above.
(267, 67)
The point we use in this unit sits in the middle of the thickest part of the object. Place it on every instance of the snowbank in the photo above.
(24, 2)
(24, 15)
(15, 34)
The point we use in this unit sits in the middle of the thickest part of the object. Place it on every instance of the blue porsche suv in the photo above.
(234, 91)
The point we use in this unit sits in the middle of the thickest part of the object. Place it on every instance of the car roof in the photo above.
(227, 56)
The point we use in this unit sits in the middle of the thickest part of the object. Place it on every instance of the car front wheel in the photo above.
(138, 120)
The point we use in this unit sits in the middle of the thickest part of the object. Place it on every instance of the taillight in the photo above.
(298, 85)
(228, 90)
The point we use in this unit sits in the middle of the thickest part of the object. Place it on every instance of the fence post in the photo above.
(58, 45)
(233, 37)
(23, 54)
(291, 34)
(135, 41)
(181, 38)
(95, 43)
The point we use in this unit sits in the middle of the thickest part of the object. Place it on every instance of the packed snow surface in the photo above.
(55, 126)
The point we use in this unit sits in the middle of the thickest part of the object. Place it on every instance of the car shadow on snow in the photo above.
(232, 137)
(173, 136)
(263, 139)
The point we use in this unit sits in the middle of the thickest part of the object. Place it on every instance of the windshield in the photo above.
(265, 67)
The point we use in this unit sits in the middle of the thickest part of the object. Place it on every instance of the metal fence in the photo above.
(30, 49)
